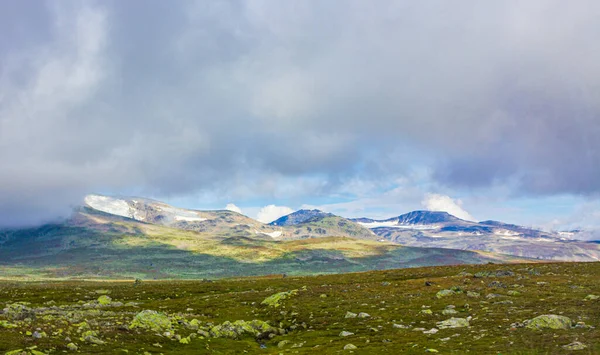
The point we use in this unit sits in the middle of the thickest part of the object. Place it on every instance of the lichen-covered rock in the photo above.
(194, 324)
(346, 333)
(239, 328)
(104, 300)
(449, 311)
(18, 311)
(473, 294)
(549, 321)
(591, 297)
(575, 346)
(72, 347)
(453, 323)
(274, 300)
(445, 293)
(350, 315)
(350, 347)
(151, 320)
(427, 311)
(364, 315)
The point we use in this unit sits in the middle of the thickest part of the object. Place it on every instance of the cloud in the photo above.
(232, 207)
(270, 213)
(290, 100)
(435, 202)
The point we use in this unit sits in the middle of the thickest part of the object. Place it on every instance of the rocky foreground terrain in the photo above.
(479, 309)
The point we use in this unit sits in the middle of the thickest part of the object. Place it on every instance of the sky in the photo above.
(487, 110)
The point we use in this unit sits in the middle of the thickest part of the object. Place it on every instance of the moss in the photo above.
(104, 300)
(275, 300)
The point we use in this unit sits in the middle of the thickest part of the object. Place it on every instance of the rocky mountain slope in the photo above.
(96, 244)
(442, 230)
(315, 224)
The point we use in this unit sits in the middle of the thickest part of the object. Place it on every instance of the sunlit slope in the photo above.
(96, 244)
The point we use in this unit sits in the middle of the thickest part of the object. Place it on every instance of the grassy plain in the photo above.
(311, 320)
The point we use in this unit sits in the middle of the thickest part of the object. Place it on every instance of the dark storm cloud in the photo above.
(174, 98)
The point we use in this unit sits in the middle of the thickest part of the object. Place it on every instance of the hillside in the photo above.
(94, 244)
(478, 309)
(304, 224)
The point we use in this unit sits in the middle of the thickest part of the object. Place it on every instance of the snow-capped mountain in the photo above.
(441, 230)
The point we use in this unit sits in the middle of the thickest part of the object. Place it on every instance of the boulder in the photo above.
(574, 346)
(453, 323)
(550, 321)
(151, 320)
(350, 315)
(240, 328)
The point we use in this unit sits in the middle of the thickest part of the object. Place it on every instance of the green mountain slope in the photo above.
(96, 244)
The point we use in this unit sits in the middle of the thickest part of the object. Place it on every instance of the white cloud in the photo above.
(436, 202)
(271, 212)
(233, 207)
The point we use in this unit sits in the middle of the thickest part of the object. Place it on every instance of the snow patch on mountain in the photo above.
(189, 219)
(109, 205)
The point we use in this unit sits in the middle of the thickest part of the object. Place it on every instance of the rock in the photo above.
(151, 320)
(496, 284)
(194, 324)
(431, 331)
(449, 312)
(427, 311)
(72, 347)
(513, 293)
(350, 347)
(549, 321)
(400, 326)
(431, 351)
(274, 300)
(346, 334)
(574, 346)
(37, 335)
(92, 339)
(473, 294)
(18, 311)
(323, 295)
(445, 293)
(591, 297)
(239, 328)
(453, 323)
(282, 343)
(385, 283)
(350, 315)
(492, 295)
(364, 315)
(104, 300)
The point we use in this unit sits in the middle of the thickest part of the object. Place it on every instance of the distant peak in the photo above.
(299, 216)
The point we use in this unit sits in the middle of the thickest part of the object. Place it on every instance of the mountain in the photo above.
(299, 217)
(441, 230)
(304, 224)
(97, 244)
(222, 223)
